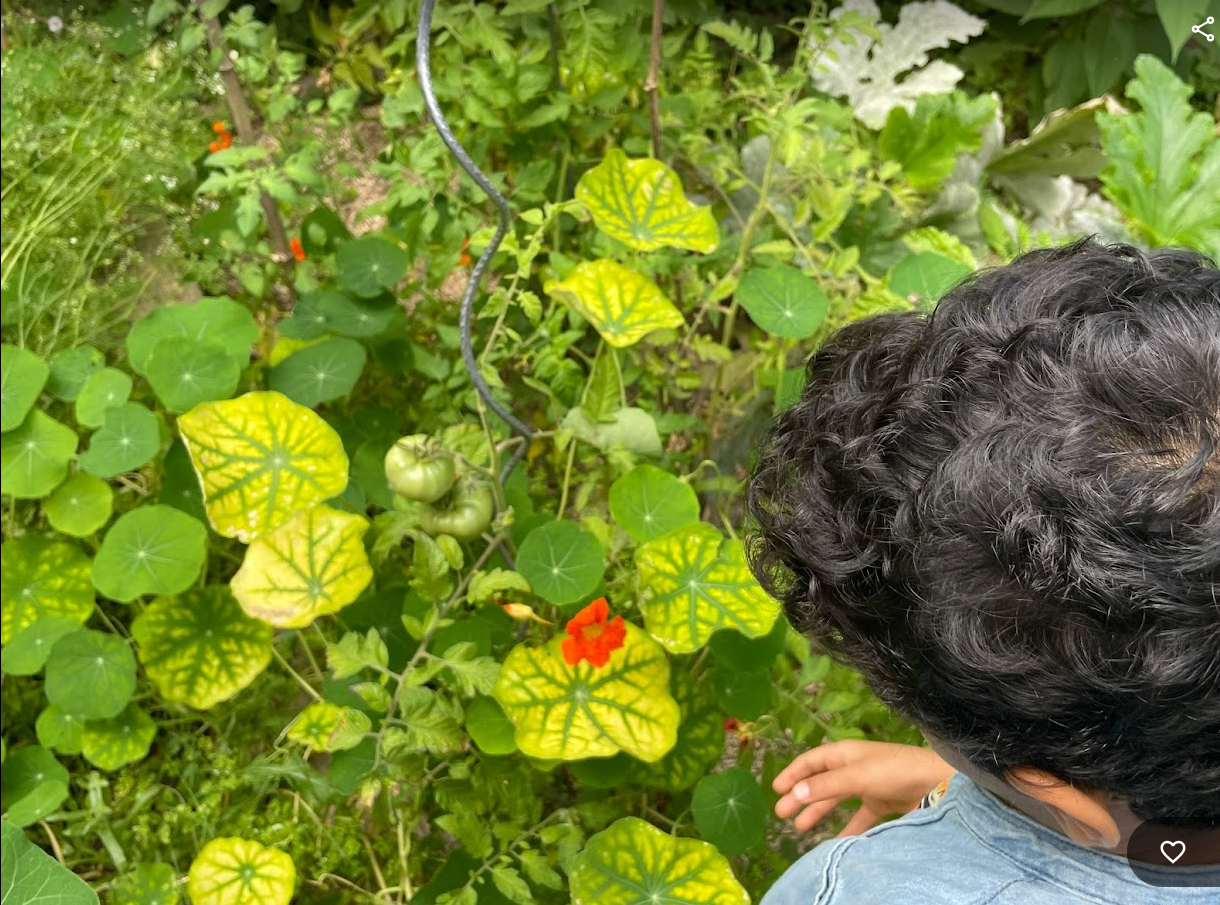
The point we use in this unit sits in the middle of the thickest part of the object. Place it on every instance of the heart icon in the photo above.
(1178, 848)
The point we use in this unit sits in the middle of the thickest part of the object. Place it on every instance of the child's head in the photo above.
(1007, 516)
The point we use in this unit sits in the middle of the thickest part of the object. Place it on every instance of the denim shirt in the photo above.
(971, 849)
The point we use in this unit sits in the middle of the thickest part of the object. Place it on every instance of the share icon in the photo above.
(1198, 29)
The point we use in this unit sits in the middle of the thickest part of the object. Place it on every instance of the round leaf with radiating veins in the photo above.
(26, 652)
(22, 377)
(199, 648)
(489, 728)
(641, 203)
(647, 502)
(42, 578)
(631, 862)
(219, 319)
(127, 440)
(260, 457)
(696, 582)
(70, 368)
(231, 871)
(32, 877)
(737, 652)
(700, 738)
(573, 712)
(114, 743)
(102, 390)
(80, 505)
(90, 674)
(623, 305)
(369, 266)
(783, 301)
(185, 372)
(562, 561)
(333, 312)
(60, 730)
(34, 457)
(743, 695)
(320, 372)
(150, 883)
(730, 810)
(311, 565)
(32, 785)
(150, 550)
(324, 726)
(179, 483)
(923, 278)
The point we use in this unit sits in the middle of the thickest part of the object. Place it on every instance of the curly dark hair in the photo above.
(1007, 516)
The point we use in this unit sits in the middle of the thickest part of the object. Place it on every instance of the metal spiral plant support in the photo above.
(423, 65)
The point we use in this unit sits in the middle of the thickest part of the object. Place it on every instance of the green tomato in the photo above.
(467, 515)
(419, 469)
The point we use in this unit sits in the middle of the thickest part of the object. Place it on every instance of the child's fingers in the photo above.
(816, 760)
(813, 814)
(860, 821)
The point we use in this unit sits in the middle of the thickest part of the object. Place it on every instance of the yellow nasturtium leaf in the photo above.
(695, 582)
(624, 306)
(199, 647)
(631, 862)
(312, 565)
(40, 578)
(231, 871)
(572, 712)
(641, 203)
(324, 726)
(261, 457)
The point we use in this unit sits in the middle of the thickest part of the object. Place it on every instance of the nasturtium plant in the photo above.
(149, 883)
(327, 311)
(32, 877)
(633, 863)
(26, 652)
(648, 502)
(210, 319)
(561, 561)
(113, 743)
(700, 737)
(79, 506)
(34, 457)
(924, 277)
(32, 785)
(150, 550)
(103, 389)
(729, 810)
(323, 726)
(70, 368)
(319, 373)
(128, 439)
(22, 377)
(490, 729)
(199, 647)
(695, 583)
(622, 304)
(60, 730)
(641, 203)
(232, 871)
(260, 458)
(311, 565)
(41, 578)
(742, 695)
(783, 301)
(185, 372)
(571, 712)
(370, 265)
(91, 674)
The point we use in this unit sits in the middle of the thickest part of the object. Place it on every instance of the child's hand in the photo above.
(888, 779)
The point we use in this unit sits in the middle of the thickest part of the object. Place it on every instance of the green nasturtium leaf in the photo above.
(26, 652)
(631, 862)
(150, 550)
(79, 506)
(641, 203)
(320, 372)
(101, 390)
(40, 578)
(32, 877)
(369, 266)
(60, 730)
(783, 301)
(232, 871)
(34, 457)
(70, 368)
(114, 743)
(33, 784)
(185, 372)
(311, 565)
(261, 457)
(730, 811)
(22, 377)
(572, 712)
(179, 483)
(700, 738)
(150, 883)
(328, 311)
(219, 319)
(631, 427)
(743, 695)
(324, 726)
(561, 561)
(923, 278)
(647, 502)
(696, 582)
(737, 652)
(199, 648)
(622, 304)
(127, 440)
(489, 728)
(91, 675)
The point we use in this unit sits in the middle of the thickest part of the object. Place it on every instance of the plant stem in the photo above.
(652, 83)
(305, 686)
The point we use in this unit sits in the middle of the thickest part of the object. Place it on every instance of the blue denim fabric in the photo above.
(969, 849)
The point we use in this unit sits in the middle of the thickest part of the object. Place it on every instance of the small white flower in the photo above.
(55, 24)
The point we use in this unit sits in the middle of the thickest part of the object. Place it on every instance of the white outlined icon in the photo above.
(1198, 29)
(1179, 849)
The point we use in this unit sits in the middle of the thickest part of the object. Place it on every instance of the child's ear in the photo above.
(1083, 815)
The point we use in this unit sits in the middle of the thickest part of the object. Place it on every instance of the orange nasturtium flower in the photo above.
(592, 636)
(298, 250)
(465, 259)
(219, 127)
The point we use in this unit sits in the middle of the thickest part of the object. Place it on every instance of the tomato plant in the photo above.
(418, 471)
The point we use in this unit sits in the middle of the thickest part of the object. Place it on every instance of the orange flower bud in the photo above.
(521, 613)
(218, 127)
(298, 250)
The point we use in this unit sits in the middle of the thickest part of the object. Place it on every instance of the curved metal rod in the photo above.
(423, 65)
